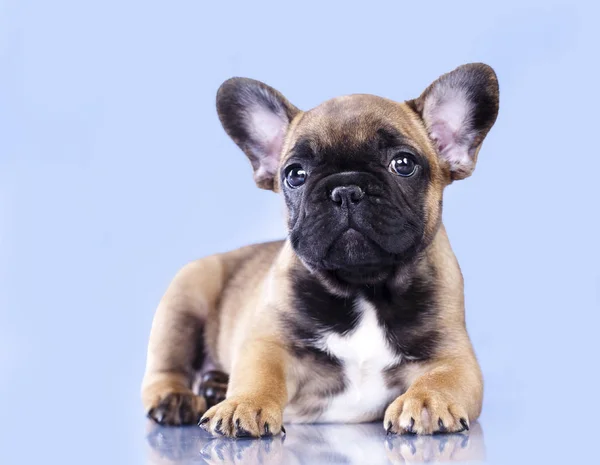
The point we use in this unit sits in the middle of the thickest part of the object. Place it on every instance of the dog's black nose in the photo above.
(346, 195)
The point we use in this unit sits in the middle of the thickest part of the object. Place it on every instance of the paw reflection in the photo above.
(248, 451)
(310, 444)
(437, 448)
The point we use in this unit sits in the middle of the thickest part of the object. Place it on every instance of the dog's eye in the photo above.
(403, 165)
(295, 176)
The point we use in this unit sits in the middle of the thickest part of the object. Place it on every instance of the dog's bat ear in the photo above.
(256, 117)
(458, 111)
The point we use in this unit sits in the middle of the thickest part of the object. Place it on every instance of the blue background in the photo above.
(114, 172)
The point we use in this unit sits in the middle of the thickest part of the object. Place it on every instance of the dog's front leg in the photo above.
(444, 396)
(257, 393)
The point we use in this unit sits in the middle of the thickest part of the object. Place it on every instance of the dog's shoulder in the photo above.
(247, 263)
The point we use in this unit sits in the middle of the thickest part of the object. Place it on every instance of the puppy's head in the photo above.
(362, 176)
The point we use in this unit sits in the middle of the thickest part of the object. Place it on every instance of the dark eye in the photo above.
(403, 165)
(295, 176)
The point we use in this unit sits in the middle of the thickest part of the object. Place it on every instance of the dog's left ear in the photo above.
(256, 117)
(458, 111)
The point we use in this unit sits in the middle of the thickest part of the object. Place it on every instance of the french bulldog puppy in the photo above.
(358, 315)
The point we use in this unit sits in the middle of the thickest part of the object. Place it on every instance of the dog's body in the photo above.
(360, 312)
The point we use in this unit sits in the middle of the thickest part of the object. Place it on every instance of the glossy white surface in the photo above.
(314, 444)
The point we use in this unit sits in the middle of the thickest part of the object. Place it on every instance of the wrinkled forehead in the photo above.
(356, 121)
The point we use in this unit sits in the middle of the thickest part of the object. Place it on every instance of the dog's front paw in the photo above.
(177, 408)
(425, 412)
(244, 417)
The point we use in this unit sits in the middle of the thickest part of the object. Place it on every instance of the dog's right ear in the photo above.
(256, 117)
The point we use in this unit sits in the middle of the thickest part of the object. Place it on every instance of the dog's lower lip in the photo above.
(363, 267)
(363, 275)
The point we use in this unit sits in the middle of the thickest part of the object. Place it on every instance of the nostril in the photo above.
(347, 194)
(356, 193)
(336, 195)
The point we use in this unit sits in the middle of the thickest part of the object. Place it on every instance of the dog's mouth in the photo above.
(354, 258)
(351, 255)
(363, 275)
(353, 249)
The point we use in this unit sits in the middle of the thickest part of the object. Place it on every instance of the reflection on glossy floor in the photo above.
(313, 444)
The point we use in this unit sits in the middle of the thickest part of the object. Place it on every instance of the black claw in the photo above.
(267, 433)
(464, 423)
(388, 430)
(283, 430)
(241, 432)
(441, 427)
(203, 421)
(218, 426)
(411, 428)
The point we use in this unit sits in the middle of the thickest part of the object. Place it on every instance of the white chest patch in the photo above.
(364, 353)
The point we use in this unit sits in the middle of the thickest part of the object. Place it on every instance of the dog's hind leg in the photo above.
(176, 349)
(213, 387)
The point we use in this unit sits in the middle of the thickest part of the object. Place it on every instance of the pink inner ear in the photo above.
(447, 115)
(450, 149)
(268, 131)
(269, 163)
(442, 135)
